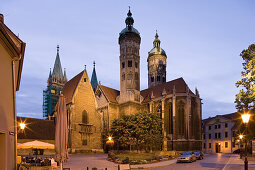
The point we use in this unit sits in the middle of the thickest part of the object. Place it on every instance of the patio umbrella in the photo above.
(61, 133)
(35, 145)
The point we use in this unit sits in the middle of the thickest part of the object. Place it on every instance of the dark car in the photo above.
(237, 151)
(187, 157)
(199, 155)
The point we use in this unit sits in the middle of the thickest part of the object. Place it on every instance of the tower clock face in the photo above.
(53, 91)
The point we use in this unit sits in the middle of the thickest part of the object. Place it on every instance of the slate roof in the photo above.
(57, 70)
(94, 82)
(179, 84)
(14, 43)
(110, 93)
(70, 86)
(40, 129)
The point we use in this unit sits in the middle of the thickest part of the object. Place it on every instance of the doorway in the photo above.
(217, 147)
(3, 154)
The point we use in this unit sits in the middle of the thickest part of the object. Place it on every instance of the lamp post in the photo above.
(241, 151)
(110, 142)
(245, 118)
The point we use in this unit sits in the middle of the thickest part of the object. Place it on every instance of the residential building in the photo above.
(12, 51)
(219, 132)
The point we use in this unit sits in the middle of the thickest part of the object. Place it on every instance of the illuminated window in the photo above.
(226, 144)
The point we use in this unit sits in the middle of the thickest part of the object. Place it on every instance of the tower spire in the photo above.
(156, 42)
(129, 20)
(94, 82)
(57, 70)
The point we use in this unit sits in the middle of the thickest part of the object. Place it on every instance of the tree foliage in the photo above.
(144, 129)
(246, 97)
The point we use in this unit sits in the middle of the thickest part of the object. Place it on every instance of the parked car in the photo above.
(199, 155)
(237, 151)
(187, 157)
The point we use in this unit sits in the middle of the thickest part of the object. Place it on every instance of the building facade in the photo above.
(12, 51)
(219, 133)
(84, 123)
(55, 84)
(90, 113)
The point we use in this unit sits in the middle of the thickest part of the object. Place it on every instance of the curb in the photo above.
(152, 166)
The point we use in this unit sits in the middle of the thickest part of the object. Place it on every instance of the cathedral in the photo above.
(92, 106)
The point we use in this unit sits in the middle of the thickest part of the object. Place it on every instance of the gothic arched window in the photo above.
(85, 117)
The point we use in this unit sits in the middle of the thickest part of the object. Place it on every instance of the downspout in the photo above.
(14, 112)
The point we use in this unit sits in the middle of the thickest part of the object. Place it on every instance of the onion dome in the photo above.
(157, 50)
(129, 24)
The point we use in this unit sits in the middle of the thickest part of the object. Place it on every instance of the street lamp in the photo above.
(22, 125)
(245, 118)
(110, 143)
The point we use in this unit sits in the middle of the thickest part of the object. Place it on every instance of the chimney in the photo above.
(2, 18)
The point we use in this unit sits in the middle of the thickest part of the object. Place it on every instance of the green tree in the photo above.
(144, 128)
(246, 97)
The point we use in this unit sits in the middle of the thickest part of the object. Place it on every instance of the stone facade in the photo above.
(178, 107)
(83, 120)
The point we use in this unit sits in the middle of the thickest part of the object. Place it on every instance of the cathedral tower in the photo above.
(56, 82)
(129, 41)
(156, 64)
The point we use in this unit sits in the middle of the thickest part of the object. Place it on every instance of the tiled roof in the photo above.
(15, 44)
(70, 86)
(36, 129)
(110, 93)
(179, 84)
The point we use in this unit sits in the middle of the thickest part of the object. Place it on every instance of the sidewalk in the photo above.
(154, 165)
(235, 163)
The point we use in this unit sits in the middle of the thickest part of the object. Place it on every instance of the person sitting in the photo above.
(47, 161)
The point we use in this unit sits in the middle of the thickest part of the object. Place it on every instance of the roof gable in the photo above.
(110, 93)
(70, 87)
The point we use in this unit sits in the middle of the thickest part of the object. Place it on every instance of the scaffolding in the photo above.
(50, 99)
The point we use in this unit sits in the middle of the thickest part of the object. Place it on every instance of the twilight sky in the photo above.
(202, 40)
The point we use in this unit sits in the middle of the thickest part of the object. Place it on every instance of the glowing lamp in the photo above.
(241, 137)
(22, 126)
(246, 117)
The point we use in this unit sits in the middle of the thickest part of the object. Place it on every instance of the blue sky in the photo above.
(202, 39)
